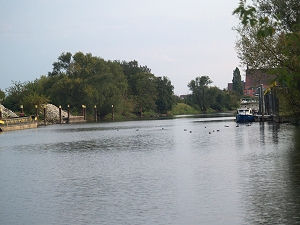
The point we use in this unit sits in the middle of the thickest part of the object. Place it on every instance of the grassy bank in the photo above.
(182, 109)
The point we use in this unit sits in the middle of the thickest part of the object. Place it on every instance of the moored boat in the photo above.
(244, 115)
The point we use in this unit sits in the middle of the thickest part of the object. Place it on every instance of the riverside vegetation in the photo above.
(131, 89)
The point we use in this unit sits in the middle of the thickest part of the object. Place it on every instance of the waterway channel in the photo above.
(187, 170)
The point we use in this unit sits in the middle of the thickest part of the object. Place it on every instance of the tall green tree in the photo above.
(84, 79)
(237, 82)
(62, 65)
(199, 88)
(142, 86)
(165, 95)
(144, 91)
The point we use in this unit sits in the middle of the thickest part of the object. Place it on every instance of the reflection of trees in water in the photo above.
(294, 176)
(271, 176)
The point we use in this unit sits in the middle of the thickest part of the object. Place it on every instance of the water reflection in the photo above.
(270, 181)
(192, 170)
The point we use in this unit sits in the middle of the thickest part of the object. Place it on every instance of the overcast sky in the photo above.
(180, 39)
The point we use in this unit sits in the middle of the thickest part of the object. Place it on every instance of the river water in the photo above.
(188, 170)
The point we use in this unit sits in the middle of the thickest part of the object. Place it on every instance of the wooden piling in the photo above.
(60, 121)
(45, 115)
(68, 114)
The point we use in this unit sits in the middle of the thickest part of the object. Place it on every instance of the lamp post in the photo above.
(22, 111)
(95, 113)
(84, 112)
(112, 113)
(36, 111)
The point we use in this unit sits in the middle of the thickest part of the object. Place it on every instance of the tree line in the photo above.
(84, 79)
(269, 40)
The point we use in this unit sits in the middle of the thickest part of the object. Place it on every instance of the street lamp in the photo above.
(36, 110)
(22, 112)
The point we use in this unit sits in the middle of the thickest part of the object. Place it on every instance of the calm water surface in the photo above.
(174, 171)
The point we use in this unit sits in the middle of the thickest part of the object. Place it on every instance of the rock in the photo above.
(52, 113)
(7, 113)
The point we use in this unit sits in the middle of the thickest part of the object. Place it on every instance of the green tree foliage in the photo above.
(84, 79)
(205, 97)
(147, 91)
(165, 95)
(199, 88)
(15, 95)
(144, 91)
(287, 11)
(26, 94)
(270, 40)
(62, 65)
(237, 82)
(2, 94)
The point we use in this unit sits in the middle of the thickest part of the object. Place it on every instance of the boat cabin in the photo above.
(246, 111)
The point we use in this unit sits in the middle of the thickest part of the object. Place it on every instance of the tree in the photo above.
(2, 95)
(15, 95)
(237, 82)
(165, 95)
(270, 40)
(289, 11)
(142, 86)
(62, 65)
(84, 79)
(144, 91)
(25, 94)
(199, 88)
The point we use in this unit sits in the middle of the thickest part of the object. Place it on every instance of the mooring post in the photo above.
(95, 113)
(68, 113)
(262, 101)
(83, 111)
(45, 115)
(112, 113)
(0, 113)
(59, 108)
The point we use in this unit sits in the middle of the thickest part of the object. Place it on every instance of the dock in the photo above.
(18, 123)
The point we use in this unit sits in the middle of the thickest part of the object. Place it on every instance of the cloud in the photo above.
(165, 58)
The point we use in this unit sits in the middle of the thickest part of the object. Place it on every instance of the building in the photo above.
(254, 79)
